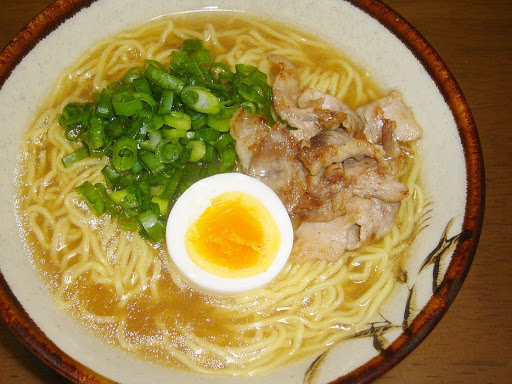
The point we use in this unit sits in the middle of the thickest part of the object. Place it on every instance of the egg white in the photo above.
(189, 207)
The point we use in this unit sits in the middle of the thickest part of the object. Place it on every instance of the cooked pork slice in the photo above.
(326, 209)
(329, 147)
(325, 196)
(365, 220)
(391, 108)
(275, 163)
(339, 112)
(368, 178)
(356, 166)
(312, 110)
(321, 240)
(373, 217)
(286, 92)
(248, 130)
(315, 98)
(373, 184)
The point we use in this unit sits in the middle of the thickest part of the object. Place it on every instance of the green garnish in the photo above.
(162, 128)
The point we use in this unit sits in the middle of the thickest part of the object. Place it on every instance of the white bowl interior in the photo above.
(362, 38)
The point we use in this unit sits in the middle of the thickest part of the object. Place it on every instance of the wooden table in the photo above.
(473, 342)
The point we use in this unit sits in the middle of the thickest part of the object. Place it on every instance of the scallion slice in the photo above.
(164, 79)
(92, 197)
(124, 154)
(75, 157)
(201, 99)
(178, 120)
(152, 225)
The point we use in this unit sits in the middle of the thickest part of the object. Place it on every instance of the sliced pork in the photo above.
(275, 162)
(286, 93)
(248, 130)
(334, 168)
(329, 147)
(392, 109)
(371, 184)
(310, 111)
(365, 220)
(332, 112)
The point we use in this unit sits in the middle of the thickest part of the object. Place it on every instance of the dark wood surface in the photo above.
(473, 342)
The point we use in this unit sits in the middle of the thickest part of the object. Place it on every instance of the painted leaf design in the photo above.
(313, 370)
(436, 257)
(380, 343)
(374, 331)
(410, 308)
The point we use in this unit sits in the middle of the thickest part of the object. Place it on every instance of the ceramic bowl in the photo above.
(371, 34)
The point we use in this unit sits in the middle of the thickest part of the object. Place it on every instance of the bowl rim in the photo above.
(13, 314)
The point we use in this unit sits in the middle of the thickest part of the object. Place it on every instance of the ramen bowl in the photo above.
(375, 38)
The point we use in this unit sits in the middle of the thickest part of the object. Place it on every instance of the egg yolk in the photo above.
(236, 236)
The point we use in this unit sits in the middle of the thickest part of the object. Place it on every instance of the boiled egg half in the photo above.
(228, 234)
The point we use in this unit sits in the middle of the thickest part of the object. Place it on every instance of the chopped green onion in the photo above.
(74, 113)
(244, 69)
(156, 122)
(228, 158)
(166, 101)
(111, 175)
(127, 180)
(172, 185)
(208, 134)
(191, 45)
(209, 154)
(104, 108)
(92, 197)
(126, 105)
(152, 225)
(173, 133)
(198, 150)
(219, 122)
(147, 98)
(154, 138)
(117, 127)
(128, 223)
(179, 61)
(201, 56)
(95, 135)
(199, 120)
(161, 128)
(201, 99)
(118, 196)
(169, 151)
(163, 204)
(184, 157)
(178, 120)
(136, 168)
(151, 162)
(110, 206)
(75, 157)
(164, 79)
(190, 178)
(141, 85)
(74, 132)
(124, 153)
(132, 74)
(224, 141)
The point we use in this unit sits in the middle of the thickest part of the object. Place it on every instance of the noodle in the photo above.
(309, 307)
